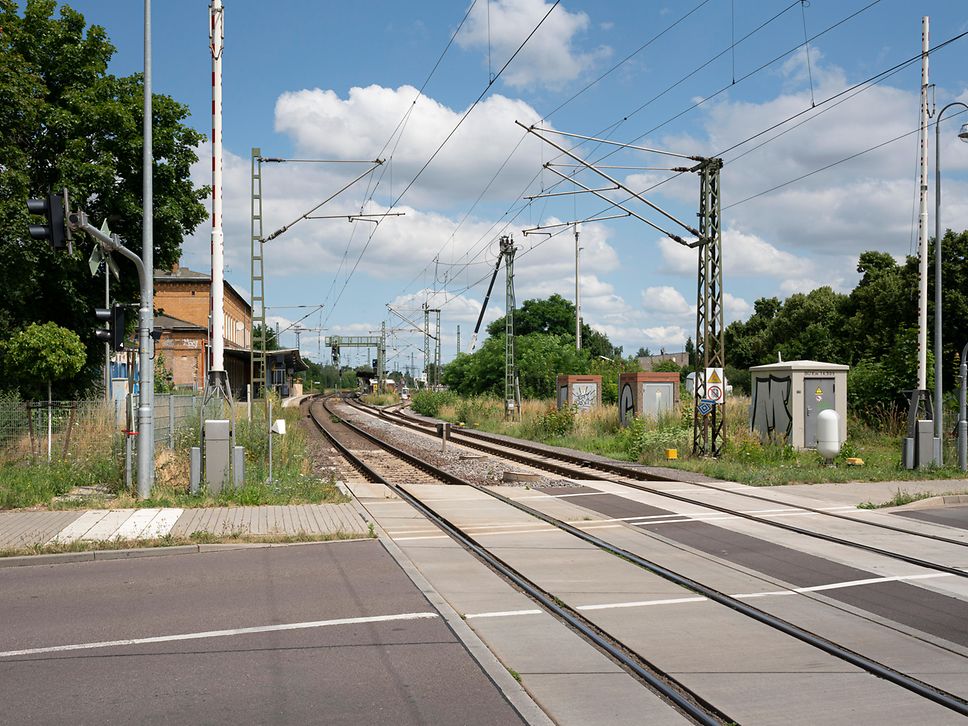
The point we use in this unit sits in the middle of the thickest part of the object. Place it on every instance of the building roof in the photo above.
(167, 322)
(801, 365)
(290, 356)
(183, 274)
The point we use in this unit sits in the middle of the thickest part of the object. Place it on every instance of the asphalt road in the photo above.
(951, 516)
(408, 670)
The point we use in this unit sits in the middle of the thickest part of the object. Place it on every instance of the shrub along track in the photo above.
(684, 699)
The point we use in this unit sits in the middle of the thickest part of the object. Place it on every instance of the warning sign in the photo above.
(818, 392)
(715, 385)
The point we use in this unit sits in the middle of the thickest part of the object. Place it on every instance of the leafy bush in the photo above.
(429, 403)
(558, 422)
(667, 366)
(643, 439)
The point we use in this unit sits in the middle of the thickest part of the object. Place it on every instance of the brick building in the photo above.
(183, 301)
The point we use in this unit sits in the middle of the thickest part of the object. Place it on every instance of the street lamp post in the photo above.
(938, 407)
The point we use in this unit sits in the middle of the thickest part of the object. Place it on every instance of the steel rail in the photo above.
(914, 685)
(585, 464)
(688, 702)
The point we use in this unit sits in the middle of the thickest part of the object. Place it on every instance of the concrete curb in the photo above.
(934, 502)
(513, 691)
(66, 558)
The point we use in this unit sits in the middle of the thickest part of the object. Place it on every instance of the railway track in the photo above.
(567, 465)
(684, 699)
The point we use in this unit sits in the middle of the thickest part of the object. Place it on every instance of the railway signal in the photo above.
(53, 207)
(114, 333)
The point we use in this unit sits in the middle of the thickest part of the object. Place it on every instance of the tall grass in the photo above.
(745, 457)
(96, 459)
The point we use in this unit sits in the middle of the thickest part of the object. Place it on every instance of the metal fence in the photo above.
(66, 429)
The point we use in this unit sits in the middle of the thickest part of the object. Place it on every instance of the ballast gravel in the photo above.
(474, 466)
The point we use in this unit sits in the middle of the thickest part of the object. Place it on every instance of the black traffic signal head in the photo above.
(55, 230)
(114, 334)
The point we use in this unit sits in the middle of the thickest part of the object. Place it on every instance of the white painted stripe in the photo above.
(162, 524)
(218, 633)
(109, 524)
(643, 603)
(79, 527)
(136, 523)
(545, 530)
(848, 583)
(503, 614)
(698, 598)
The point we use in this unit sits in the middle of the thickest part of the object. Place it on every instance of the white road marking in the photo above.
(503, 614)
(699, 598)
(108, 525)
(79, 527)
(134, 525)
(848, 583)
(163, 523)
(218, 633)
(585, 525)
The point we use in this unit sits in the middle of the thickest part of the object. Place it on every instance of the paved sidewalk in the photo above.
(27, 529)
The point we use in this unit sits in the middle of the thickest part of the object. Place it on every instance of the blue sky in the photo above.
(333, 80)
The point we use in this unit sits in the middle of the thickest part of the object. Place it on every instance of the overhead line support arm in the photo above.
(566, 152)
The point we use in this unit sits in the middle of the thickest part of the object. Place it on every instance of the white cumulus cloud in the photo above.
(550, 57)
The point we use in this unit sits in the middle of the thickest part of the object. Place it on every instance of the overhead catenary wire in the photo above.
(441, 146)
(612, 127)
(514, 214)
(547, 116)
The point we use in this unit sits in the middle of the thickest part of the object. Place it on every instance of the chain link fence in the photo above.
(76, 429)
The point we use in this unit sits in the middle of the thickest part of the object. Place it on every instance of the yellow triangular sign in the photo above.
(714, 378)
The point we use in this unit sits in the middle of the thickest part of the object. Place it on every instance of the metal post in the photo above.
(50, 425)
(171, 421)
(258, 331)
(962, 414)
(107, 325)
(146, 426)
(269, 430)
(923, 218)
(938, 392)
(437, 353)
(426, 328)
(511, 395)
(708, 430)
(577, 291)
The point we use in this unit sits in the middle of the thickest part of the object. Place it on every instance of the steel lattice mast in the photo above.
(511, 402)
(707, 431)
(257, 338)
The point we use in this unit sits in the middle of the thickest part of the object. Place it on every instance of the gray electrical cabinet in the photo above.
(217, 454)
(788, 397)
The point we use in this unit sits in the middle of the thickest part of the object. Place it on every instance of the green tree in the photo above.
(66, 122)
(39, 356)
(555, 316)
(272, 340)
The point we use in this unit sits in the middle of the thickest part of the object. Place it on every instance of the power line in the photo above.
(524, 136)
(614, 126)
(832, 164)
(876, 78)
(441, 146)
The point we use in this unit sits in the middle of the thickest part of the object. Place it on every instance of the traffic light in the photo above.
(114, 334)
(55, 230)
(336, 355)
